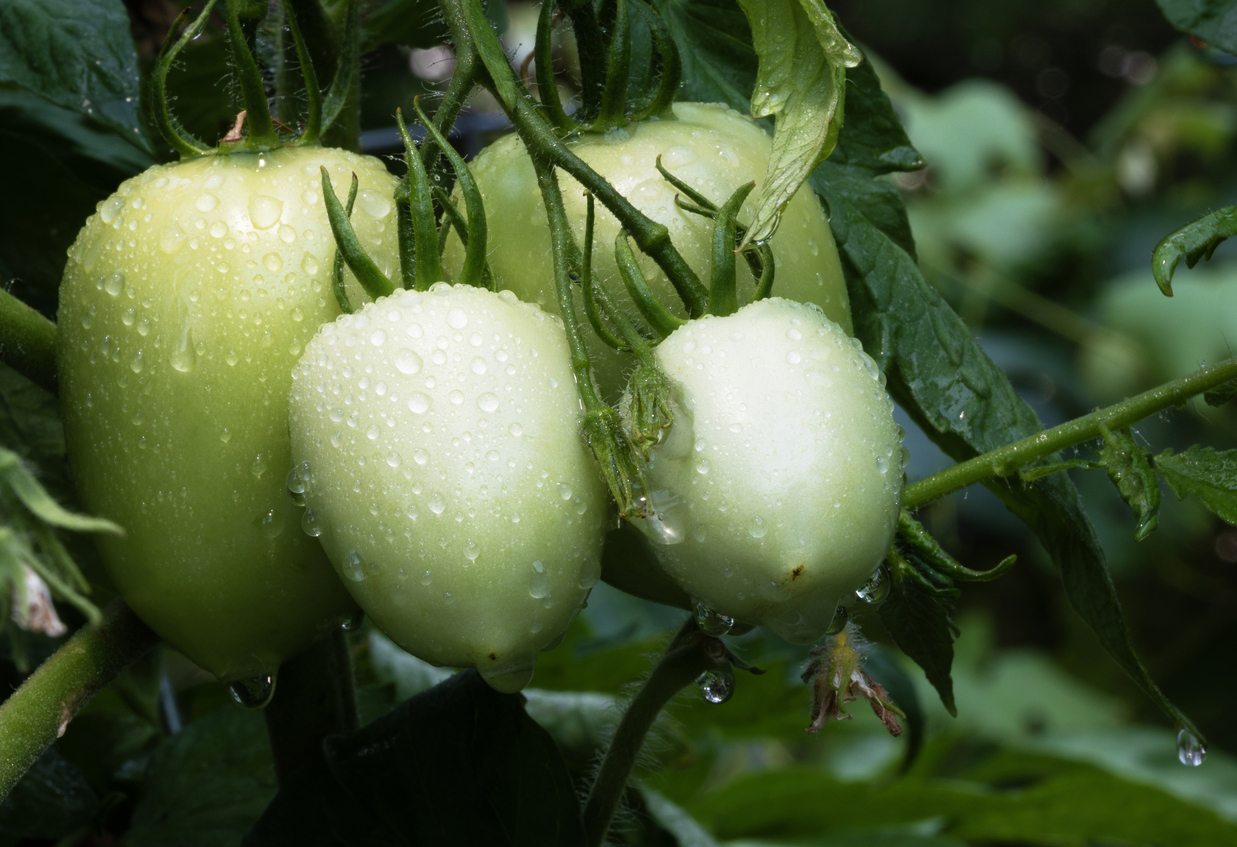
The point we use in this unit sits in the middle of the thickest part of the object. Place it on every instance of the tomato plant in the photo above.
(632, 403)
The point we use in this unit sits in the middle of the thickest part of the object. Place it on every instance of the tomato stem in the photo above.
(1012, 458)
(261, 134)
(543, 57)
(471, 31)
(28, 342)
(658, 316)
(421, 204)
(665, 64)
(315, 697)
(723, 295)
(613, 111)
(182, 141)
(313, 97)
(35, 715)
(337, 265)
(689, 655)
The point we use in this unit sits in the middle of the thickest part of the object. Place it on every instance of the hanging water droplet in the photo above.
(310, 525)
(716, 686)
(538, 583)
(711, 621)
(876, 589)
(353, 623)
(253, 693)
(354, 566)
(838, 623)
(185, 356)
(1190, 751)
(298, 478)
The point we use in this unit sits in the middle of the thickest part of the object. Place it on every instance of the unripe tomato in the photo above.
(441, 460)
(186, 300)
(712, 148)
(777, 490)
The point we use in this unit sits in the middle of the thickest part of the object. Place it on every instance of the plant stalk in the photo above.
(689, 655)
(36, 714)
(28, 342)
(315, 698)
(1008, 460)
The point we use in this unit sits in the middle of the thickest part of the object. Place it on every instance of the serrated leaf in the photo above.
(76, 54)
(801, 83)
(1213, 21)
(1136, 482)
(1194, 241)
(1209, 475)
(457, 764)
(918, 619)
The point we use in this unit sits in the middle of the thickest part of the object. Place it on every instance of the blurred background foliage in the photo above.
(1063, 140)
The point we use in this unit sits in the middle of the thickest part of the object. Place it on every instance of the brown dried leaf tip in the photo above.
(837, 677)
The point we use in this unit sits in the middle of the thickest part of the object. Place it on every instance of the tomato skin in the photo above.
(711, 147)
(777, 490)
(444, 462)
(185, 301)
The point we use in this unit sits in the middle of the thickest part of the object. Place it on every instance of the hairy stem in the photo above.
(1011, 458)
(689, 655)
(36, 714)
(27, 342)
(315, 698)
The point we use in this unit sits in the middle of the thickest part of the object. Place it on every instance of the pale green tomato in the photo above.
(438, 440)
(777, 490)
(712, 148)
(186, 300)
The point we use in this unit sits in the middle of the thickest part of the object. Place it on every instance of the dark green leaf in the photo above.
(76, 54)
(918, 619)
(966, 405)
(674, 820)
(1213, 21)
(1208, 475)
(1220, 395)
(1068, 805)
(715, 42)
(1194, 241)
(458, 764)
(1130, 471)
(52, 800)
(207, 784)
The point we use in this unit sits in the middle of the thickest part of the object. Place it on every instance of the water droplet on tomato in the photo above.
(253, 693)
(716, 686)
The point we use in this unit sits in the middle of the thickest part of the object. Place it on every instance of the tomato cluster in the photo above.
(435, 452)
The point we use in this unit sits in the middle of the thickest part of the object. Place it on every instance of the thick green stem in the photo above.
(469, 27)
(27, 342)
(36, 714)
(689, 655)
(315, 698)
(1011, 458)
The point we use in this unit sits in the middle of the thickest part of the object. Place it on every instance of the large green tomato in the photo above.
(712, 148)
(186, 300)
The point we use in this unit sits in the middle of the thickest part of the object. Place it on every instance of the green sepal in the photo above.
(652, 412)
(622, 472)
(372, 279)
(337, 264)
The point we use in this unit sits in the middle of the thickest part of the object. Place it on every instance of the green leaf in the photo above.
(1220, 395)
(929, 552)
(1130, 471)
(1056, 805)
(1209, 475)
(458, 764)
(672, 818)
(801, 83)
(715, 43)
(1213, 21)
(52, 800)
(206, 785)
(76, 54)
(1194, 241)
(916, 613)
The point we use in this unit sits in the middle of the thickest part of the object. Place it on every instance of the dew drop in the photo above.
(419, 403)
(253, 693)
(457, 319)
(590, 573)
(206, 202)
(759, 528)
(114, 284)
(538, 583)
(716, 686)
(272, 261)
(1190, 751)
(110, 209)
(711, 621)
(437, 504)
(353, 623)
(309, 264)
(354, 566)
(487, 402)
(876, 589)
(310, 525)
(264, 211)
(408, 362)
(373, 203)
(185, 356)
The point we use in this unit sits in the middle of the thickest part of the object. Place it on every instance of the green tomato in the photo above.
(712, 148)
(777, 490)
(438, 443)
(186, 300)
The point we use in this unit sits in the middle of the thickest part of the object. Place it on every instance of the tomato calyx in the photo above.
(263, 132)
